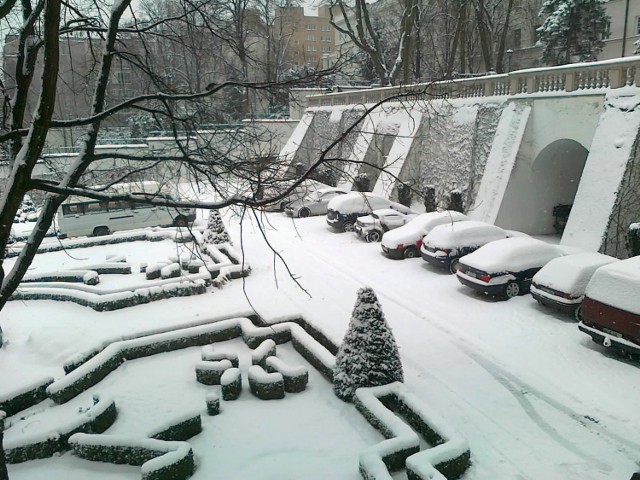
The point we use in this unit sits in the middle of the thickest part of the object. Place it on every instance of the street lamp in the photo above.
(509, 53)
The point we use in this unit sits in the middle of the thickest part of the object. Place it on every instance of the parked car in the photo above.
(561, 283)
(611, 306)
(372, 227)
(344, 210)
(405, 241)
(315, 203)
(504, 268)
(446, 243)
(305, 189)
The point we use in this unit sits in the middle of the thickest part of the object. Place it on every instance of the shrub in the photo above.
(368, 356)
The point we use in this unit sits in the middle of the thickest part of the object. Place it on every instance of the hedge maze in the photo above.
(165, 452)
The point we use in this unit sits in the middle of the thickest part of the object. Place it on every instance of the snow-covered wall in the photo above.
(607, 199)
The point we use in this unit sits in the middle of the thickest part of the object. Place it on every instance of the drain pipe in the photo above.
(624, 28)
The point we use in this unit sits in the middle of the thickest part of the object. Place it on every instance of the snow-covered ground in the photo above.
(534, 397)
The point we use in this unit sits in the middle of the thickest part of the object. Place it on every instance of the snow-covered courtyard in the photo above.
(533, 396)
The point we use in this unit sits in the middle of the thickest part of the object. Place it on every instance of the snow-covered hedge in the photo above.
(113, 301)
(88, 277)
(213, 404)
(17, 400)
(99, 365)
(179, 429)
(265, 386)
(295, 378)
(210, 373)
(449, 457)
(266, 349)
(159, 460)
(209, 354)
(42, 445)
(231, 382)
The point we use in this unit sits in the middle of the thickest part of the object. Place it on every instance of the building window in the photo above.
(606, 34)
(326, 28)
(311, 38)
(310, 26)
(326, 49)
(325, 38)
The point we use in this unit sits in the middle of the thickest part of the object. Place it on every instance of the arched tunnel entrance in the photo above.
(534, 189)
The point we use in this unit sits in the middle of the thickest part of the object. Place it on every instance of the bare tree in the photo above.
(390, 55)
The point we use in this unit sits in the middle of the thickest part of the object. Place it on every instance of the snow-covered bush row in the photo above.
(99, 365)
(44, 444)
(210, 373)
(295, 377)
(231, 383)
(88, 277)
(171, 271)
(112, 301)
(449, 457)
(179, 429)
(209, 354)
(159, 460)
(17, 400)
(112, 268)
(259, 355)
(265, 386)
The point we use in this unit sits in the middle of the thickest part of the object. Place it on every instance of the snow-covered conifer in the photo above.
(368, 356)
(216, 232)
(572, 28)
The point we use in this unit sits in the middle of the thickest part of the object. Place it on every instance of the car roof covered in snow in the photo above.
(571, 273)
(420, 226)
(617, 284)
(464, 233)
(365, 201)
(387, 211)
(512, 254)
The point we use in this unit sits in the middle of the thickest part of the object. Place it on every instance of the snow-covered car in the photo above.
(372, 227)
(405, 241)
(611, 306)
(313, 204)
(344, 210)
(304, 189)
(561, 283)
(504, 268)
(446, 243)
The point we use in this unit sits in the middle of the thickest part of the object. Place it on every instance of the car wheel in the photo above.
(304, 212)
(374, 236)
(100, 231)
(453, 265)
(348, 226)
(180, 221)
(410, 252)
(578, 313)
(512, 290)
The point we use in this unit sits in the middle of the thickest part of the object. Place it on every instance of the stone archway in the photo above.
(535, 188)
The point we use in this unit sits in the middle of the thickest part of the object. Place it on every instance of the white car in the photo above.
(504, 268)
(561, 283)
(373, 226)
(446, 243)
(344, 210)
(405, 241)
(313, 204)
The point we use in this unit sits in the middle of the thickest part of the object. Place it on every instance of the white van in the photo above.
(81, 216)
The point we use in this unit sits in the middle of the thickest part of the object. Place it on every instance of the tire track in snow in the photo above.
(519, 389)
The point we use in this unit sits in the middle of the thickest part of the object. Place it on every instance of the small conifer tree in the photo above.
(368, 356)
(216, 232)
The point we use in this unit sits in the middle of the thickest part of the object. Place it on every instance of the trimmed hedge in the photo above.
(295, 378)
(210, 373)
(96, 420)
(266, 349)
(159, 460)
(208, 354)
(183, 429)
(231, 382)
(213, 404)
(265, 386)
(26, 397)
